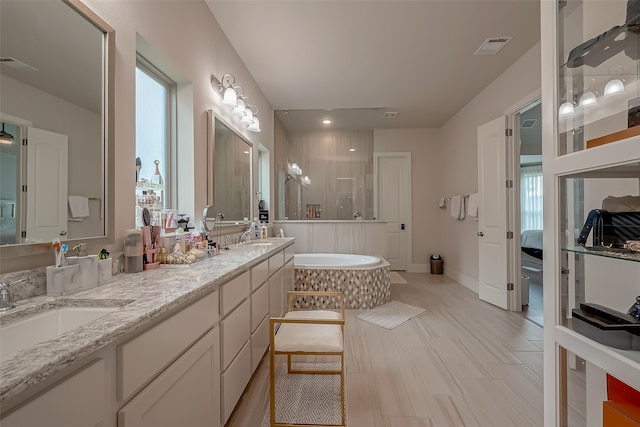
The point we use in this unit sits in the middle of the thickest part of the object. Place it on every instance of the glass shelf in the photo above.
(606, 253)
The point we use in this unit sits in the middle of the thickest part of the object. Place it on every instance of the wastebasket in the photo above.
(437, 264)
(524, 288)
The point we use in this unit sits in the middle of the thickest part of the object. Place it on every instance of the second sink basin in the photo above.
(45, 325)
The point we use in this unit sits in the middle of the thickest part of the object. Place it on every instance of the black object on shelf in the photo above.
(607, 326)
(634, 311)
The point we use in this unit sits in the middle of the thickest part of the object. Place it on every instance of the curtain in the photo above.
(531, 197)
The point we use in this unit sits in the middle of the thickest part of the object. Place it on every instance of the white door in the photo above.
(47, 158)
(392, 203)
(492, 218)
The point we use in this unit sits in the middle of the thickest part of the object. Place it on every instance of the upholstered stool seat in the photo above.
(307, 332)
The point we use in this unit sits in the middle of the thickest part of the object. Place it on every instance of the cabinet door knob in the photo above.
(63, 233)
(480, 233)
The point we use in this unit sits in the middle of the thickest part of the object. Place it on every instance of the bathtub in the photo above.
(334, 261)
(363, 279)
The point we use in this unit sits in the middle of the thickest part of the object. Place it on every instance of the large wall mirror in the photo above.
(229, 166)
(56, 71)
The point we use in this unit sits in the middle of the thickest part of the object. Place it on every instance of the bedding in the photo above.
(531, 243)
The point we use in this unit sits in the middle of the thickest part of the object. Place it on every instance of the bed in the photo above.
(531, 248)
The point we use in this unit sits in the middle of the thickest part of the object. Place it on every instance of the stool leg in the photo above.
(272, 379)
(342, 391)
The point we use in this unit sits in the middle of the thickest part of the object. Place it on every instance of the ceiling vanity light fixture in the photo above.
(326, 122)
(233, 96)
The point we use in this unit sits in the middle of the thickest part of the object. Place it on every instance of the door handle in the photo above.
(480, 233)
(401, 226)
(63, 233)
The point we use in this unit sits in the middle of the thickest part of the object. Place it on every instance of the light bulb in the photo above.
(239, 110)
(566, 109)
(248, 116)
(255, 126)
(587, 99)
(614, 87)
(230, 97)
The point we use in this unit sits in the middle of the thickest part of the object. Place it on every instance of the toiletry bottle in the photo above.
(263, 232)
(255, 226)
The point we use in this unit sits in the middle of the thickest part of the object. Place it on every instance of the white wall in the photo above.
(425, 146)
(186, 35)
(459, 155)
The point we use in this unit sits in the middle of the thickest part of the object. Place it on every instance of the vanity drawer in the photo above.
(289, 252)
(233, 292)
(259, 274)
(275, 262)
(234, 380)
(259, 343)
(259, 305)
(142, 357)
(235, 330)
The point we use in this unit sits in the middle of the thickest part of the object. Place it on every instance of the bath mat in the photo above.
(397, 279)
(390, 315)
(307, 398)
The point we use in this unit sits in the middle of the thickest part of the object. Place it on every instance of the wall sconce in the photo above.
(233, 96)
(306, 180)
(294, 169)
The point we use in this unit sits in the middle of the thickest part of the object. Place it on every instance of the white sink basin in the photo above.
(261, 243)
(39, 327)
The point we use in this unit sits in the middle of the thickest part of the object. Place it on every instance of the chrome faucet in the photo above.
(6, 297)
(244, 237)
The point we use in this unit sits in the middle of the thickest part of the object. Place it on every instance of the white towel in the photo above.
(472, 209)
(457, 207)
(78, 208)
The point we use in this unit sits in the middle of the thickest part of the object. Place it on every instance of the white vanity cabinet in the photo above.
(78, 400)
(187, 389)
(185, 394)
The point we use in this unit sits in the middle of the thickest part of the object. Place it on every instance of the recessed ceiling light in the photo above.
(352, 149)
(326, 121)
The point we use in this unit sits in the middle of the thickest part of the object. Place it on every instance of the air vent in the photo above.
(18, 65)
(528, 123)
(492, 45)
(389, 114)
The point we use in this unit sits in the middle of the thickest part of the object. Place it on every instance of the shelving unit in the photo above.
(150, 196)
(578, 176)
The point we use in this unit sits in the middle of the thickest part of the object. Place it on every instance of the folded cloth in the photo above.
(78, 207)
(457, 207)
(472, 209)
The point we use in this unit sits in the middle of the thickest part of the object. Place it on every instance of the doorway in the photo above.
(527, 132)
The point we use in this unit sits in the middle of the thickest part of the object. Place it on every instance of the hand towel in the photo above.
(472, 210)
(457, 207)
(442, 203)
(78, 208)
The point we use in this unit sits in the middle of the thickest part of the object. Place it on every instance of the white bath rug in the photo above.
(390, 315)
(307, 399)
(397, 279)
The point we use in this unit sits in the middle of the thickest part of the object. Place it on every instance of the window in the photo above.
(531, 197)
(155, 126)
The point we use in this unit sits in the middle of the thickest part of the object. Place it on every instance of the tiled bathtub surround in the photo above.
(363, 288)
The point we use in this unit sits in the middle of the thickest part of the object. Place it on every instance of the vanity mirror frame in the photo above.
(23, 256)
(233, 225)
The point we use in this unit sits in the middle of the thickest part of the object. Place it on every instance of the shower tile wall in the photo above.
(341, 179)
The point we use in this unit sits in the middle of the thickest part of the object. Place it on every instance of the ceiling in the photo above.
(362, 58)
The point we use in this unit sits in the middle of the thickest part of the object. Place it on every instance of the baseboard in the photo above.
(464, 280)
(418, 268)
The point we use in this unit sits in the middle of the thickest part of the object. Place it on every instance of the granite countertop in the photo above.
(327, 221)
(139, 298)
